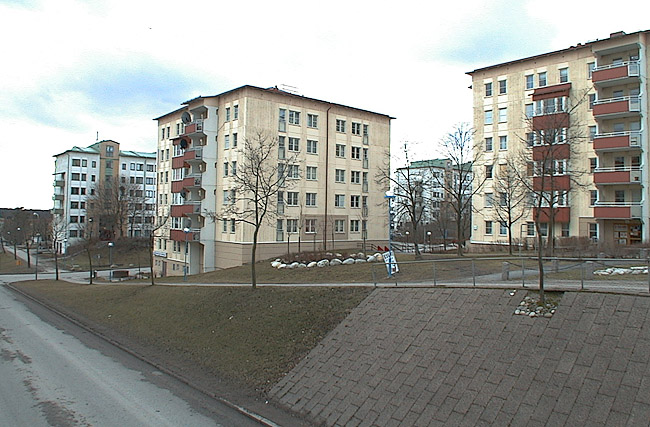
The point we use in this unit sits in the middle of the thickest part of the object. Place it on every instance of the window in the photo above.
(619, 127)
(503, 199)
(593, 197)
(140, 167)
(592, 100)
(488, 144)
(339, 226)
(226, 196)
(234, 140)
(503, 115)
(294, 117)
(530, 229)
(489, 200)
(226, 142)
(530, 110)
(564, 75)
(123, 166)
(232, 225)
(94, 164)
(488, 89)
(543, 229)
(619, 196)
(530, 84)
(590, 69)
(356, 128)
(84, 163)
(281, 147)
(340, 150)
(488, 117)
(310, 199)
(503, 87)
(530, 139)
(312, 120)
(282, 120)
(503, 228)
(619, 162)
(541, 79)
(565, 229)
(292, 226)
(292, 198)
(312, 146)
(488, 171)
(339, 175)
(235, 112)
(503, 143)
(233, 168)
(294, 144)
(109, 164)
(354, 226)
(227, 114)
(355, 201)
(110, 150)
(488, 227)
(75, 177)
(311, 173)
(151, 168)
(356, 153)
(355, 177)
(294, 171)
(76, 162)
(310, 226)
(339, 200)
(593, 130)
(593, 231)
(340, 125)
(225, 168)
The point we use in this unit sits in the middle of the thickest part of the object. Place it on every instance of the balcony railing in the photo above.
(195, 126)
(615, 73)
(194, 235)
(619, 106)
(617, 210)
(624, 175)
(617, 140)
(59, 183)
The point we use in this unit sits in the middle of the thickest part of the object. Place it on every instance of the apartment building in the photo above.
(580, 114)
(337, 150)
(84, 176)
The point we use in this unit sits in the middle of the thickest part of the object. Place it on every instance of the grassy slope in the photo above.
(8, 265)
(239, 334)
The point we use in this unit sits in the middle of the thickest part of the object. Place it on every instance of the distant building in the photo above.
(80, 174)
(597, 95)
(338, 149)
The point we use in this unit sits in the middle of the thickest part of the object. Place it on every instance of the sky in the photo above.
(73, 70)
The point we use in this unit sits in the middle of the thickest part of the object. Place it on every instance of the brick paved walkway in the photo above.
(460, 357)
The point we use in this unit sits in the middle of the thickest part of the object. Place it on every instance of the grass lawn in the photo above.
(247, 336)
(124, 255)
(8, 265)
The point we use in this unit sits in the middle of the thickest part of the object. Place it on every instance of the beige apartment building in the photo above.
(596, 95)
(332, 203)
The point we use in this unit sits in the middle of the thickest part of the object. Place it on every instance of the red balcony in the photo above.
(617, 107)
(617, 211)
(554, 91)
(194, 127)
(616, 141)
(615, 74)
(608, 176)
(177, 186)
(561, 214)
(551, 121)
(550, 183)
(194, 235)
(181, 210)
(192, 181)
(178, 162)
(547, 152)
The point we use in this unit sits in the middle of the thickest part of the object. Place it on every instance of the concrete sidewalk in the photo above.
(460, 357)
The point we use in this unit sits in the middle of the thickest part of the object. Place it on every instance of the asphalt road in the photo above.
(54, 373)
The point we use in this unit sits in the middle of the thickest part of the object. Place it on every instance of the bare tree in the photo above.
(461, 183)
(263, 170)
(160, 224)
(512, 196)
(57, 233)
(554, 164)
(410, 186)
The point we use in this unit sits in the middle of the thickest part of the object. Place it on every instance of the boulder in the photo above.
(360, 261)
(336, 261)
(348, 261)
(282, 266)
(323, 263)
(275, 264)
(302, 265)
(312, 264)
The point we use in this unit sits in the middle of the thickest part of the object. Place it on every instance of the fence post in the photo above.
(589, 273)
(473, 273)
(555, 265)
(582, 276)
(505, 271)
(372, 270)
(648, 274)
(523, 273)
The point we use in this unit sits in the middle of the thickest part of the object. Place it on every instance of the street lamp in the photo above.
(17, 234)
(390, 198)
(429, 241)
(407, 241)
(186, 231)
(110, 261)
(38, 244)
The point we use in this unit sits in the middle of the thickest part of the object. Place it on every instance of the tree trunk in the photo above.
(418, 254)
(510, 239)
(540, 264)
(153, 280)
(29, 261)
(90, 263)
(459, 227)
(56, 264)
(253, 254)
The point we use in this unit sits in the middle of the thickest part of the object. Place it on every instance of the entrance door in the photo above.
(164, 269)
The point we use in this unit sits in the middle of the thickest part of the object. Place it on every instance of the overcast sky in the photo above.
(72, 69)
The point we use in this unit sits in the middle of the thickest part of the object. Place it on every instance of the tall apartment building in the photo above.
(338, 150)
(598, 93)
(80, 172)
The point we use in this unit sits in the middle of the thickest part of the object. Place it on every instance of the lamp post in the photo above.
(15, 240)
(407, 241)
(110, 261)
(186, 231)
(429, 241)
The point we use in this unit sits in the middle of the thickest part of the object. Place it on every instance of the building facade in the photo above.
(580, 117)
(337, 150)
(85, 176)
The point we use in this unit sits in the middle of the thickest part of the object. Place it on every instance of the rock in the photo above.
(348, 261)
(361, 255)
(302, 265)
(275, 264)
(282, 266)
(371, 258)
(378, 255)
(360, 261)
(548, 315)
(312, 264)
(323, 263)
(517, 311)
(338, 255)
(532, 314)
(336, 261)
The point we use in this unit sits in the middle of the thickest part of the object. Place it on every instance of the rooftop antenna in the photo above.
(97, 138)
